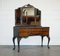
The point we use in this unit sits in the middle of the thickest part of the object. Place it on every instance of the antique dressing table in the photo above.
(28, 23)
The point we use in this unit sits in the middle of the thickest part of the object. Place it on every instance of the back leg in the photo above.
(18, 40)
(14, 42)
(48, 41)
(42, 41)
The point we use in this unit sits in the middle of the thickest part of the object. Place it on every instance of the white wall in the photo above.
(50, 16)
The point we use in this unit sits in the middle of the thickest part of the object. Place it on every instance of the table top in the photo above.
(30, 26)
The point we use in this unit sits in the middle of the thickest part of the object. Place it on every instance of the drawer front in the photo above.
(23, 32)
(36, 31)
(33, 31)
(45, 31)
(29, 31)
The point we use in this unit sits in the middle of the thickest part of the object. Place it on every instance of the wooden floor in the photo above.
(30, 50)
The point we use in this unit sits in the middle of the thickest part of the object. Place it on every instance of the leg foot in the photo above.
(48, 47)
(13, 48)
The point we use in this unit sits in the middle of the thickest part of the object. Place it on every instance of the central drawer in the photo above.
(29, 31)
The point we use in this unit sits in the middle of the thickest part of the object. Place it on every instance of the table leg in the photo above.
(18, 40)
(42, 41)
(14, 42)
(48, 42)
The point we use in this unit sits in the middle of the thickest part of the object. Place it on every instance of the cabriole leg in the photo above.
(18, 40)
(14, 42)
(48, 41)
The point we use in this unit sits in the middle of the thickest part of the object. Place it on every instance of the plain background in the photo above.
(50, 17)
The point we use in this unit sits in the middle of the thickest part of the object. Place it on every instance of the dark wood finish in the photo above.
(17, 16)
(29, 20)
(24, 32)
(27, 24)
